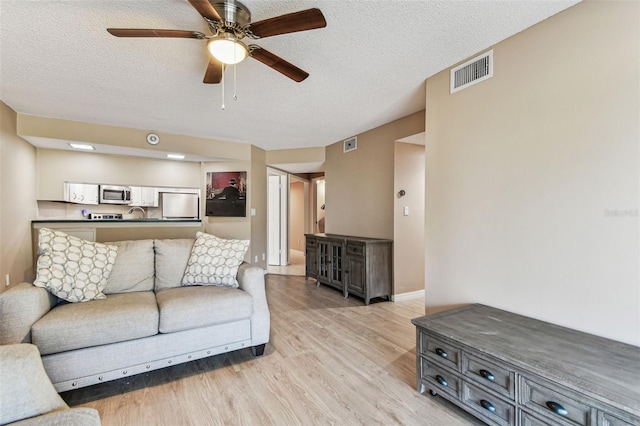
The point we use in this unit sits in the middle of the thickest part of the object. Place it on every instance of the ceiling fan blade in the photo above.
(134, 32)
(213, 75)
(278, 64)
(205, 9)
(290, 23)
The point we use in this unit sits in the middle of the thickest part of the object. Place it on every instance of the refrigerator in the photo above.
(180, 206)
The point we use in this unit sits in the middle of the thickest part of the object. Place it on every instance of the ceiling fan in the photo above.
(230, 22)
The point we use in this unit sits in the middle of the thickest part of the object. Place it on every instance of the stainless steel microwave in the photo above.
(113, 194)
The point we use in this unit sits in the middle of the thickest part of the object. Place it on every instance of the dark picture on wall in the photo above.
(227, 194)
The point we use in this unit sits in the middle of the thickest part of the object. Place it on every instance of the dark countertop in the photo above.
(152, 220)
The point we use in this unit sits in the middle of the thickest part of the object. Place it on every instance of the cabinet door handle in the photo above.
(487, 375)
(441, 380)
(441, 352)
(557, 408)
(487, 405)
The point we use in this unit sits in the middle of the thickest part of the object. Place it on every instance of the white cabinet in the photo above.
(144, 196)
(81, 193)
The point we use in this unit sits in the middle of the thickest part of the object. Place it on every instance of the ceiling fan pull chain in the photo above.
(222, 86)
(235, 92)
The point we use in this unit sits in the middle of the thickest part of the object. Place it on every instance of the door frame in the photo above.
(283, 214)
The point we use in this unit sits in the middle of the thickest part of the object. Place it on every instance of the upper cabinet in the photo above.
(144, 196)
(81, 193)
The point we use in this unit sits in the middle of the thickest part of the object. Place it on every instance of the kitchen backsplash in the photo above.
(68, 211)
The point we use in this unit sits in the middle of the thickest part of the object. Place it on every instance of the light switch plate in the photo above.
(406, 210)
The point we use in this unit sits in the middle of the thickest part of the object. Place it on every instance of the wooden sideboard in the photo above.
(353, 265)
(507, 369)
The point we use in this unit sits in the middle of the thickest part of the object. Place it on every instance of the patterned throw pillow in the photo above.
(214, 261)
(71, 268)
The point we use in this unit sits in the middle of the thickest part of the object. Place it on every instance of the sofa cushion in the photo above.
(171, 260)
(118, 318)
(214, 261)
(71, 268)
(184, 308)
(134, 269)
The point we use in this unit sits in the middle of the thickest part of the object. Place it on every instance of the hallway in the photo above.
(296, 265)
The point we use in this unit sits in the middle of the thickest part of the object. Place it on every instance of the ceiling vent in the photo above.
(471, 72)
(350, 144)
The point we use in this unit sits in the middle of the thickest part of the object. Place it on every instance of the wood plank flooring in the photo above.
(330, 361)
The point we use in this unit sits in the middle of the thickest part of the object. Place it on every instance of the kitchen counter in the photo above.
(154, 221)
(121, 229)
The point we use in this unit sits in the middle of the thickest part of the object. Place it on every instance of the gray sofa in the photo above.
(148, 320)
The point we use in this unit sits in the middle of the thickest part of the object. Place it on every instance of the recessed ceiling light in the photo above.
(175, 156)
(84, 146)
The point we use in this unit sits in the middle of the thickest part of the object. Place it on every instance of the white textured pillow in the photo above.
(214, 261)
(71, 268)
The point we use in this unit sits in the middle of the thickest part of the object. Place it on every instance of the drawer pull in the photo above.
(487, 375)
(441, 352)
(441, 380)
(487, 405)
(557, 408)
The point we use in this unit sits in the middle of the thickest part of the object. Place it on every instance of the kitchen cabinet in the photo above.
(81, 193)
(508, 369)
(355, 265)
(144, 196)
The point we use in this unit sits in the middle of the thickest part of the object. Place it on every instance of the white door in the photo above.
(274, 220)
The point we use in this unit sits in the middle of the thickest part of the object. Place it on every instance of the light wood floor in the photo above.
(330, 361)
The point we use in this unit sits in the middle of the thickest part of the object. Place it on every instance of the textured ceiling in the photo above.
(367, 67)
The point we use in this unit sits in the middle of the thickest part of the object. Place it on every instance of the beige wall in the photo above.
(258, 201)
(359, 184)
(296, 216)
(408, 232)
(524, 170)
(18, 200)
(67, 130)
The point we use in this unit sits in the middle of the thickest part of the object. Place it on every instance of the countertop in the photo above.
(151, 220)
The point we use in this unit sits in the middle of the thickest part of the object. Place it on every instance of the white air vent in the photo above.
(471, 72)
(350, 144)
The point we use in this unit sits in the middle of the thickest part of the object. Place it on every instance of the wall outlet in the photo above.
(255, 258)
(264, 256)
(7, 280)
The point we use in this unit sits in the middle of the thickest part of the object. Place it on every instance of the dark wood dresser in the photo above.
(354, 265)
(507, 369)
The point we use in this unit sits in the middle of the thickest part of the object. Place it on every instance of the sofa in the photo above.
(27, 397)
(149, 317)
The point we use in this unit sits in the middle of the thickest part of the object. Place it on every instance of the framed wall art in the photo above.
(226, 194)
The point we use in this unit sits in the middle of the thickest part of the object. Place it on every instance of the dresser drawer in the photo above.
(439, 379)
(560, 404)
(311, 243)
(500, 379)
(488, 405)
(355, 249)
(439, 350)
(606, 419)
(527, 419)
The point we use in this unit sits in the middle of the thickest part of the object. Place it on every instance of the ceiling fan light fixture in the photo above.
(227, 49)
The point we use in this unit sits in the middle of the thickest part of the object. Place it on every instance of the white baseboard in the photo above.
(407, 296)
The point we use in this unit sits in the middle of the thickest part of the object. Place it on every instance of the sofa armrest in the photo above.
(25, 389)
(20, 307)
(251, 280)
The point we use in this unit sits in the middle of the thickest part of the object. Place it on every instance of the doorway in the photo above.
(278, 218)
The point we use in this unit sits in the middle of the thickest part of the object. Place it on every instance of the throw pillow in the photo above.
(71, 268)
(214, 261)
